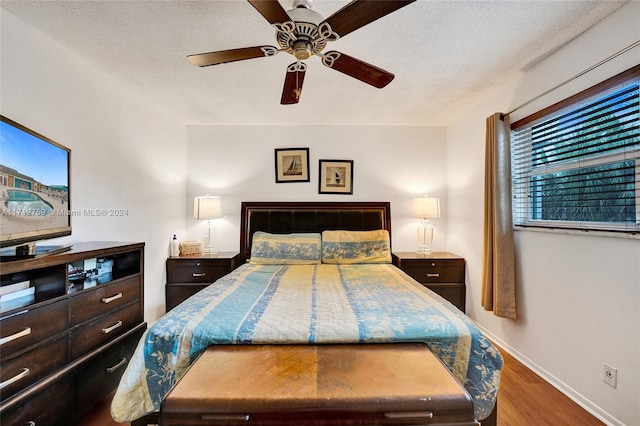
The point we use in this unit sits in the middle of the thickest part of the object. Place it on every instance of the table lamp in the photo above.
(207, 207)
(425, 208)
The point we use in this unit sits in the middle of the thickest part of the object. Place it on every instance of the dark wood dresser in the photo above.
(187, 275)
(64, 343)
(442, 272)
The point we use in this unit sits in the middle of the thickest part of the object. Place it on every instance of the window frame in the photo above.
(523, 219)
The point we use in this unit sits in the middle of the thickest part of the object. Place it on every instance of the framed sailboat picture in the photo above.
(292, 165)
(336, 177)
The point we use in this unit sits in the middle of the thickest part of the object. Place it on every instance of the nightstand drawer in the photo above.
(176, 293)
(435, 271)
(186, 275)
(442, 272)
(454, 293)
(196, 271)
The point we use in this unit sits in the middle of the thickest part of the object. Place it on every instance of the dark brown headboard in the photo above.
(288, 217)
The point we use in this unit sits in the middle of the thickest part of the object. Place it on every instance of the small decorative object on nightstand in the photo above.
(442, 272)
(187, 275)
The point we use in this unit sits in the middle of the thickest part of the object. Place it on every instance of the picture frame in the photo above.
(292, 165)
(336, 177)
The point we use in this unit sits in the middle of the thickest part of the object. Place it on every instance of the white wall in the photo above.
(578, 296)
(390, 164)
(125, 154)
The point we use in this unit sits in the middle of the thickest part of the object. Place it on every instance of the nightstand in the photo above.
(441, 272)
(187, 275)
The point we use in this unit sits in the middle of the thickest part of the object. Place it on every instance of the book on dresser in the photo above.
(68, 326)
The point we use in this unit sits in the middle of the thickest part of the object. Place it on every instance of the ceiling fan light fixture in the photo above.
(302, 49)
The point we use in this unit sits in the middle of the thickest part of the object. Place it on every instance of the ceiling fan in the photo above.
(303, 33)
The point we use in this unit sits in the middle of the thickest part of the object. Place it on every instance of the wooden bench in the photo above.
(361, 384)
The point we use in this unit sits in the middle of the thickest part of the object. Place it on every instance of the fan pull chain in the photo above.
(297, 90)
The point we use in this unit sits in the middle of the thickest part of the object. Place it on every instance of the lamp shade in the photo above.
(426, 208)
(207, 207)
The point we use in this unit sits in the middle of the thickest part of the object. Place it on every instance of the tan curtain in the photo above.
(498, 264)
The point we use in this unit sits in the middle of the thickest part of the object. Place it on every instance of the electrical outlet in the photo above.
(610, 375)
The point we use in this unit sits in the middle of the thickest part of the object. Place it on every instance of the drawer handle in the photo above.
(113, 327)
(112, 298)
(201, 274)
(24, 373)
(417, 415)
(433, 275)
(226, 417)
(120, 363)
(15, 336)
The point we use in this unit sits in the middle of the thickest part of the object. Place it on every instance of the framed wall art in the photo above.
(292, 165)
(336, 177)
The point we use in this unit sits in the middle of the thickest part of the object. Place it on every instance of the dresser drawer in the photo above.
(197, 271)
(31, 326)
(99, 377)
(52, 407)
(99, 332)
(435, 271)
(24, 370)
(101, 301)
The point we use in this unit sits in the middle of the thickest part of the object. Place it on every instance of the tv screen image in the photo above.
(34, 186)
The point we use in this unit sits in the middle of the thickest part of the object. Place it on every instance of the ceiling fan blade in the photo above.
(359, 13)
(356, 68)
(293, 83)
(271, 11)
(232, 55)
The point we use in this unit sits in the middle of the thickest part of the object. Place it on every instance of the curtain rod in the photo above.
(580, 74)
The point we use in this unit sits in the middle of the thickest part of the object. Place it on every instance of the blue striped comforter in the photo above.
(308, 304)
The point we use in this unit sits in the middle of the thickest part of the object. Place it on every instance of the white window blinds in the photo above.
(579, 167)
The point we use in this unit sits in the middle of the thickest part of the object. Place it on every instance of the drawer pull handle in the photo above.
(113, 327)
(417, 415)
(226, 417)
(201, 274)
(433, 275)
(112, 298)
(24, 373)
(120, 363)
(15, 336)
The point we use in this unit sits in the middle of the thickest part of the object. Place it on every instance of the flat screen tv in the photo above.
(34, 187)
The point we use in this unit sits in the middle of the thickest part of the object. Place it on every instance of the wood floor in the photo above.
(525, 400)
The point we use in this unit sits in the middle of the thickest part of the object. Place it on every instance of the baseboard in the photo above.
(567, 390)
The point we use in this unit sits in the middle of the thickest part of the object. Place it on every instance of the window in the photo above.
(577, 164)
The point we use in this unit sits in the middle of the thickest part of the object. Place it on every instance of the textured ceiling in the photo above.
(446, 55)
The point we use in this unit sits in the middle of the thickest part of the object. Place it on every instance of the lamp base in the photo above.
(424, 251)
(425, 237)
(209, 250)
(207, 247)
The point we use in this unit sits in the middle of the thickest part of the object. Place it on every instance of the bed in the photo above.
(313, 273)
